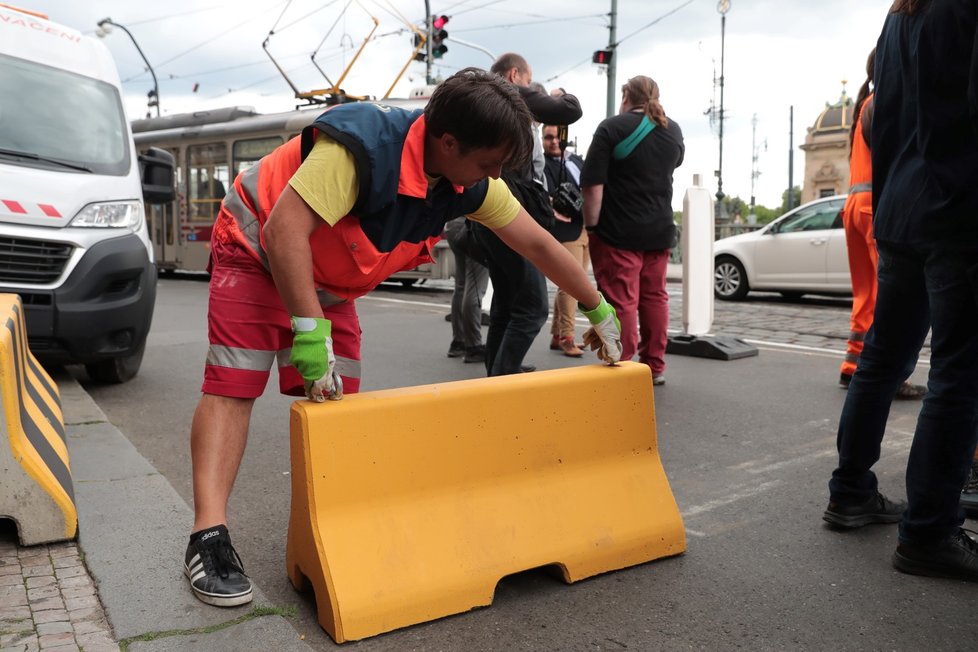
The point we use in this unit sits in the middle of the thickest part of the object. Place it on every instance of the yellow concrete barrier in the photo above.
(36, 490)
(411, 504)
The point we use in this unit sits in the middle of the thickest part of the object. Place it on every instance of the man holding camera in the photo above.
(563, 170)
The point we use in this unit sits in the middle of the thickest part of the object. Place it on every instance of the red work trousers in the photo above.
(857, 218)
(634, 282)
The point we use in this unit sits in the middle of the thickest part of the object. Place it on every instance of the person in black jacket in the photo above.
(564, 169)
(925, 220)
(519, 301)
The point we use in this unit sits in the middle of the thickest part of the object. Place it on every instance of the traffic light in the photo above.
(438, 35)
(601, 56)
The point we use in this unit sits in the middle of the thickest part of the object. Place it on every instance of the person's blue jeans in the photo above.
(920, 286)
(519, 306)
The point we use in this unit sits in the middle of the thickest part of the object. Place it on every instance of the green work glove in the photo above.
(312, 356)
(604, 336)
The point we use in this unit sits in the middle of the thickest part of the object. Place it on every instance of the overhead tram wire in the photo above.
(169, 16)
(219, 35)
(534, 22)
(619, 42)
(645, 27)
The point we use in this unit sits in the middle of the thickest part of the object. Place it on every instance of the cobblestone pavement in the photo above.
(811, 321)
(48, 600)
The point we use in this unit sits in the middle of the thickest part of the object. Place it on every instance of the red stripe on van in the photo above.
(13, 206)
(49, 210)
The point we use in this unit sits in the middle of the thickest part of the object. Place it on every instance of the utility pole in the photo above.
(722, 8)
(753, 162)
(427, 44)
(791, 159)
(612, 65)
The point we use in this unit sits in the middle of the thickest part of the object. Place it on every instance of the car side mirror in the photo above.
(156, 172)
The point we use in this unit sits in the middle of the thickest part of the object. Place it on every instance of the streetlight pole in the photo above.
(612, 107)
(723, 6)
(154, 95)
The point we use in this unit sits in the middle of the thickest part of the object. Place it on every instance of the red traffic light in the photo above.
(439, 22)
(601, 56)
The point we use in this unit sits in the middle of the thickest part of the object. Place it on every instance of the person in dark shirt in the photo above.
(564, 168)
(519, 306)
(925, 207)
(627, 187)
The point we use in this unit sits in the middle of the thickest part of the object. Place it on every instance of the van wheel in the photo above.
(409, 282)
(114, 371)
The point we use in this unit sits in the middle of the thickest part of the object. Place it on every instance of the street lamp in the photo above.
(104, 28)
(723, 6)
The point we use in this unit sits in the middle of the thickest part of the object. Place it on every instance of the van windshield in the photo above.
(60, 120)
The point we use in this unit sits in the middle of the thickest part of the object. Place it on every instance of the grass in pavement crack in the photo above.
(257, 612)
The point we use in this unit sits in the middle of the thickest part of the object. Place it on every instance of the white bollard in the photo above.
(696, 245)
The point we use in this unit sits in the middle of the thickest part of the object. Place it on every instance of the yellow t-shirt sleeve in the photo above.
(499, 208)
(327, 180)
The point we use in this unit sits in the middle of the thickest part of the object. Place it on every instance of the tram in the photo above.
(210, 148)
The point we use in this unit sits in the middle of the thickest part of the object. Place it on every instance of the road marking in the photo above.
(710, 505)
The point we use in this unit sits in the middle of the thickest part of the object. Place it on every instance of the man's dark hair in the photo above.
(909, 7)
(507, 61)
(481, 110)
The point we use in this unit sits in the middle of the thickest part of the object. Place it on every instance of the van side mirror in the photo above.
(156, 172)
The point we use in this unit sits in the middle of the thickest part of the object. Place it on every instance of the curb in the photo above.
(132, 534)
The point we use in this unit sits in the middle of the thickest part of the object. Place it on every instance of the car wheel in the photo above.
(114, 371)
(729, 279)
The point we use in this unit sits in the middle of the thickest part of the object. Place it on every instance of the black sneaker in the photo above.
(456, 349)
(214, 569)
(969, 495)
(475, 353)
(878, 509)
(955, 558)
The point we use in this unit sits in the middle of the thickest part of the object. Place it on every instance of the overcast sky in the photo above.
(778, 53)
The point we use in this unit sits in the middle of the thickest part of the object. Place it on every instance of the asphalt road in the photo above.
(748, 446)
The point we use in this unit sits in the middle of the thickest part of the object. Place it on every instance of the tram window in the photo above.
(207, 179)
(246, 153)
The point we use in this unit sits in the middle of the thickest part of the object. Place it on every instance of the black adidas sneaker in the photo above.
(214, 569)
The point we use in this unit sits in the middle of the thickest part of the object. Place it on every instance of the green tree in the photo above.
(796, 192)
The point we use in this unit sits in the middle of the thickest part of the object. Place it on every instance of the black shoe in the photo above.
(844, 380)
(214, 569)
(526, 368)
(878, 509)
(955, 558)
(969, 495)
(456, 349)
(907, 391)
(475, 353)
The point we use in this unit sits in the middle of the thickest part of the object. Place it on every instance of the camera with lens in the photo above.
(568, 200)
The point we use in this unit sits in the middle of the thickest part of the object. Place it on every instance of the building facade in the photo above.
(827, 151)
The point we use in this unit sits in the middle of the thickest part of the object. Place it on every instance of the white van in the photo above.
(73, 238)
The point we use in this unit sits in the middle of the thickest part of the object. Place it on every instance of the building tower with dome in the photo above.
(827, 151)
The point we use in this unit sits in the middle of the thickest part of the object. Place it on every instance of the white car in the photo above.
(801, 252)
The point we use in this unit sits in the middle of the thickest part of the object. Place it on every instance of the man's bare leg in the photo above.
(218, 436)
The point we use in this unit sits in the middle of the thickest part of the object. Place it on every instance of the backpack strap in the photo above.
(627, 146)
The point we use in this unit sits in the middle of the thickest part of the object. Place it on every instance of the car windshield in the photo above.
(58, 119)
(813, 218)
